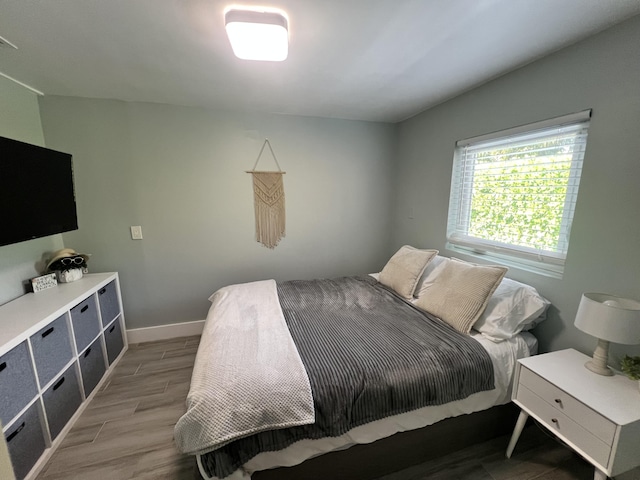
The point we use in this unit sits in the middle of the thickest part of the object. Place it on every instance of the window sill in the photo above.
(543, 269)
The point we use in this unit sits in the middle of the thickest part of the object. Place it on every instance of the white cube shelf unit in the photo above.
(56, 348)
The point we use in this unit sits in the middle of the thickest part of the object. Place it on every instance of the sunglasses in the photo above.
(72, 261)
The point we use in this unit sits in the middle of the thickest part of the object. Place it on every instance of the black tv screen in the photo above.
(36, 192)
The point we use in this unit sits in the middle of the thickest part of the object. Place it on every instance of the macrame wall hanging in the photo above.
(268, 198)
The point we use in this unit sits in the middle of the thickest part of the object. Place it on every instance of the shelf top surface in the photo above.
(24, 316)
(616, 397)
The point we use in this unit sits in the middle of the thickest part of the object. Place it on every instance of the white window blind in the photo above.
(514, 192)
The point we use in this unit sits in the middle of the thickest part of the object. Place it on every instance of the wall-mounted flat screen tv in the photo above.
(37, 197)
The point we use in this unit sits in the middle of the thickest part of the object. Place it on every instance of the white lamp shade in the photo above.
(258, 35)
(610, 318)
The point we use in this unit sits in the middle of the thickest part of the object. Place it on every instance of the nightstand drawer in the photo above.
(561, 424)
(559, 400)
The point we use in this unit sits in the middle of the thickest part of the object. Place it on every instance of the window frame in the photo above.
(460, 200)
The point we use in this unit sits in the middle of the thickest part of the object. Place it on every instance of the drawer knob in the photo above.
(59, 384)
(18, 430)
(554, 420)
(101, 292)
(49, 331)
(113, 327)
(558, 401)
(86, 354)
(3, 365)
(84, 309)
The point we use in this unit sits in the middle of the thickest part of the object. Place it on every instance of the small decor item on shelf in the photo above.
(43, 282)
(71, 275)
(631, 368)
(68, 265)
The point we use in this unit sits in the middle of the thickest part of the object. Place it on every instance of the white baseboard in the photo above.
(165, 332)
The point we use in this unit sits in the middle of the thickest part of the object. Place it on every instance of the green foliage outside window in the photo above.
(631, 367)
(519, 194)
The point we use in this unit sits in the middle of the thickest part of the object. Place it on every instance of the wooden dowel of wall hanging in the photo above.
(262, 171)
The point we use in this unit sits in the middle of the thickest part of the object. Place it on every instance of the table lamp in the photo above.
(609, 319)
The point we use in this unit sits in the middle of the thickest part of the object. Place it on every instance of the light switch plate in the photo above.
(136, 232)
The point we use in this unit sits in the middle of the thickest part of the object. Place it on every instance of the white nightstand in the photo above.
(597, 416)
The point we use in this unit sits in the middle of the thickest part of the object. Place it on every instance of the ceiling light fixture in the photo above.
(258, 34)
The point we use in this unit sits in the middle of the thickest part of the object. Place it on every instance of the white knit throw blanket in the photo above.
(268, 190)
(248, 376)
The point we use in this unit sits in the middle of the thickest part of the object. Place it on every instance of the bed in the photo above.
(289, 371)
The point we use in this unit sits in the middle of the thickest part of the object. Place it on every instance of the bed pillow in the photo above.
(512, 308)
(434, 267)
(461, 292)
(403, 270)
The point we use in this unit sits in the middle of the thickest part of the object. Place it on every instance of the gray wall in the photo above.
(601, 73)
(180, 173)
(20, 120)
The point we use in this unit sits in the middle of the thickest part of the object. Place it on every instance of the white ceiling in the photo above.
(381, 60)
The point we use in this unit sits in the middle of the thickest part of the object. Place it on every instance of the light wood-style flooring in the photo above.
(127, 432)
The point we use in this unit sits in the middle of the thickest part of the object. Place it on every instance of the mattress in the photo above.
(504, 356)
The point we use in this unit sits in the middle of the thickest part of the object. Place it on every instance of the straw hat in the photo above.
(66, 252)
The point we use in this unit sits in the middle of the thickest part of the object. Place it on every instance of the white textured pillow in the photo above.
(460, 292)
(403, 270)
(435, 266)
(512, 308)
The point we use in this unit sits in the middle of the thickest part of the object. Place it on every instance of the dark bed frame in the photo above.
(402, 450)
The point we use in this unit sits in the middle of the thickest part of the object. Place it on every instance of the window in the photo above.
(513, 193)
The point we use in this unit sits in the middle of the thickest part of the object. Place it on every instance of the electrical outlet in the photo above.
(136, 232)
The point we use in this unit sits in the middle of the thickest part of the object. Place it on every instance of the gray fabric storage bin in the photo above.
(25, 441)
(113, 340)
(62, 400)
(86, 324)
(92, 366)
(52, 350)
(109, 306)
(17, 382)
